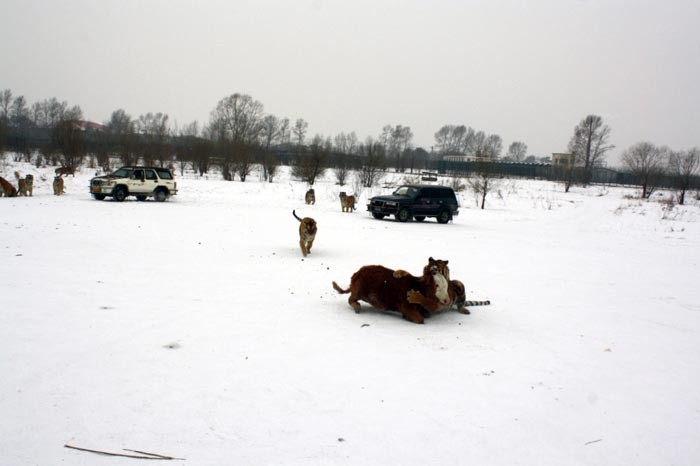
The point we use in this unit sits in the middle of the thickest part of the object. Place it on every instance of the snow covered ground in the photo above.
(194, 328)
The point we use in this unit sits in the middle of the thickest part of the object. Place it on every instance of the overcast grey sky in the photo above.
(526, 70)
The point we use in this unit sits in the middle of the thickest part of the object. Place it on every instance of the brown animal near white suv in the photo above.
(29, 181)
(60, 171)
(58, 186)
(307, 233)
(347, 203)
(7, 189)
(23, 184)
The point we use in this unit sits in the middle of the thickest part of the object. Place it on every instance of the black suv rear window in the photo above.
(405, 191)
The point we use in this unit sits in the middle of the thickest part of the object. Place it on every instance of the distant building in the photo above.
(563, 160)
(466, 158)
(91, 126)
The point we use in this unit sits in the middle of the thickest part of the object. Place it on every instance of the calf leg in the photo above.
(354, 303)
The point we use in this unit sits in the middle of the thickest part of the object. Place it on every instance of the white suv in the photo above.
(142, 182)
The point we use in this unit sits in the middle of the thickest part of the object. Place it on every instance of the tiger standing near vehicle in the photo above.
(347, 203)
(21, 185)
(310, 196)
(58, 186)
(7, 189)
(29, 181)
(60, 171)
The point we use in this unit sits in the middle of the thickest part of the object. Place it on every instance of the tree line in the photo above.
(240, 136)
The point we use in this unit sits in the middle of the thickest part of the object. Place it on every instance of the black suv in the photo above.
(417, 201)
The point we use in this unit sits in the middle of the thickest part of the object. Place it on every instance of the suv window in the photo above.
(122, 173)
(164, 174)
(151, 175)
(441, 193)
(405, 191)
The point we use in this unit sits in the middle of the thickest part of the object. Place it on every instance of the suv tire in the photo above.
(120, 193)
(99, 197)
(160, 195)
(403, 215)
(443, 216)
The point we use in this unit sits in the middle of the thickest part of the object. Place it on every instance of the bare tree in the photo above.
(646, 161)
(102, 159)
(493, 145)
(299, 130)
(453, 139)
(39, 114)
(590, 143)
(477, 144)
(237, 123)
(201, 155)
(154, 131)
(227, 152)
(285, 133)
(352, 143)
(396, 140)
(69, 140)
(341, 170)
(483, 180)
(271, 163)
(190, 130)
(238, 117)
(517, 151)
(341, 143)
(683, 166)
(270, 126)
(344, 145)
(312, 164)
(243, 160)
(270, 133)
(373, 163)
(119, 122)
(416, 158)
(48, 112)
(3, 134)
(19, 113)
(184, 149)
(123, 132)
(5, 102)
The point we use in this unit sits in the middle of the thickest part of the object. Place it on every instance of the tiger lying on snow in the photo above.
(414, 297)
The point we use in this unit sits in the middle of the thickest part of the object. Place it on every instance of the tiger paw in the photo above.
(414, 297)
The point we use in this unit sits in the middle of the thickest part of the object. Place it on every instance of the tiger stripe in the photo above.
(476, 303)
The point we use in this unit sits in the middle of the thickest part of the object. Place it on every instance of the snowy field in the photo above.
(194, 328)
